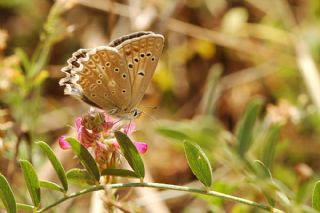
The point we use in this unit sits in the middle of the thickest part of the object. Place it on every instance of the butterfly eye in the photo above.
(99, 81)
(100, 76)
(142, 55)
(116, 69)
(152, 59)
(108, 64)
(136, 60)
(124, 75)
(148, 54)
(124, 91)
(135, 113)
(130, 65)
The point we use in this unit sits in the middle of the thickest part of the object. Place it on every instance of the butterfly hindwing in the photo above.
(104, 79)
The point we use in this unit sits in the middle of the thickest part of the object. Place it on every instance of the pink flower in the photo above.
(63, 143)
(87, 138)
(141, 147)
(93, 128)
(109, 122)
(78, 123)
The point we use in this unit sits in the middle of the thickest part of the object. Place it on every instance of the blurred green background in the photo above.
(221, 57)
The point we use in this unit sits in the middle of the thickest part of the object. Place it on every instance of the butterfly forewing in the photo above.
(141, 55)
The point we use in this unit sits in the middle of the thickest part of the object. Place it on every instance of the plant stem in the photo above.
(163, 186)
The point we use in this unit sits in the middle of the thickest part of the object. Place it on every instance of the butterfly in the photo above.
(115, 77)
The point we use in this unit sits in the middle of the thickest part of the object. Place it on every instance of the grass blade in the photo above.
(270, 147)
(246, 124)
(261, 169)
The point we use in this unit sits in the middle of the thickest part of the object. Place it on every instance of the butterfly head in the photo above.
(127, 114)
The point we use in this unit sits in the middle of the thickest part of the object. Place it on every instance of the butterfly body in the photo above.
(114, 77)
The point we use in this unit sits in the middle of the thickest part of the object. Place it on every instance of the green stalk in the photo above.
(167, 187)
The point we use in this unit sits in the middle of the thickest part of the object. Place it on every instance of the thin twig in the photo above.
(164, 186)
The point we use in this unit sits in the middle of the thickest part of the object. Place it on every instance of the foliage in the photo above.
(237, 84)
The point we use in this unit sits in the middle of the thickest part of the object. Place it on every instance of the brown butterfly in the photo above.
(114, 77)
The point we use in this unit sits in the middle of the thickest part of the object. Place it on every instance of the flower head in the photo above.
(95, 132)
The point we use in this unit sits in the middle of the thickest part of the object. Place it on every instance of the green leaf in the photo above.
(316, 196)
(85, 158)
(172, 133)
(271, 142)
(51, 185)
(130, 153)
(24, 58)
(32, 181)
(55, 163)
(6, 195)
(80, 177)
(210, 96)
(22, 206)
(261, 169)
(199, 163)
(246, 124)
(119, 172)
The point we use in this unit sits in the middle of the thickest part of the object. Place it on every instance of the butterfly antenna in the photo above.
(127, 129)
(116, 124)
(152, 118)
(152, 107)
(148, 114)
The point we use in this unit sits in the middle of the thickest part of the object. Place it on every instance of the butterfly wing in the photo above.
(141, 52)
(99, 77)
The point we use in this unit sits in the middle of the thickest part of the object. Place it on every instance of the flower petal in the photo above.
(63, 143)
(141, 147)
(86, 138)
(115, 144)
(109, 122)
(78, 123)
